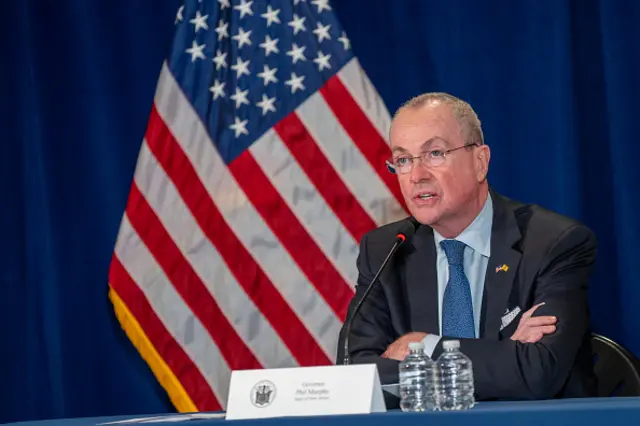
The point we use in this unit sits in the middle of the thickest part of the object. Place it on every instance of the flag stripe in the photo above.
(149, 227)
(249, 275)
(301, 144)
(354, 169)
(361, 132)
(190, 133)
(366, 96)
(292, 235)
(171, 308)
(246, 318)
(307, 204)
(173, 353)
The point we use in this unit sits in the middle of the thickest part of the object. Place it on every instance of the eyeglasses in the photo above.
(434, 158)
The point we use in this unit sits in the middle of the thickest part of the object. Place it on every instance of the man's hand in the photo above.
(531, 330)
(399, 349)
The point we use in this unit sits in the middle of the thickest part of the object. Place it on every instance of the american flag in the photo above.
(262, 166)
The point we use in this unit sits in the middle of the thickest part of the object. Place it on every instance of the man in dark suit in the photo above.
(507, 279)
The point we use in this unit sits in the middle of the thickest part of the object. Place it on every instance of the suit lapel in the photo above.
(421, 283)
(502, 266)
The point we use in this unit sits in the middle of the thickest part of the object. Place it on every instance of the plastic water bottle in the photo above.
(417, 378)
(454, 384)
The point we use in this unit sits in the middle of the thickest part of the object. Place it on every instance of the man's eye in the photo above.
(401, 161)
(436, 153)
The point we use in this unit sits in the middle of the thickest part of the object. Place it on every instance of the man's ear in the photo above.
(482, 157)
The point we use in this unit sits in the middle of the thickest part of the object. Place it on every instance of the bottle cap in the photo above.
(451, 344)
(414, 346)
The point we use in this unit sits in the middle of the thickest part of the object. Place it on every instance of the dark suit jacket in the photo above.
(549, 259)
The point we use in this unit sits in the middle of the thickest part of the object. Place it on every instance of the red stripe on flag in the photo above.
(360, 129)
(239, 261)
(301, 247)
(187, 282)
(324, 177)
(171, 352)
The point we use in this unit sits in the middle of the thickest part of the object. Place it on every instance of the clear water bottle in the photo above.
(417, 376)
(454, 384)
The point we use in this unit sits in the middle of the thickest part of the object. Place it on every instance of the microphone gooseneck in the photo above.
(405, 233)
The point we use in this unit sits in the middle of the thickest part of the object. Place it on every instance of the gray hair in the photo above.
(462, 111)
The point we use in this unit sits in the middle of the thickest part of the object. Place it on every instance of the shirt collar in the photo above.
(478, 234)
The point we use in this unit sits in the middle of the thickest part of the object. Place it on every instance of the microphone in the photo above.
(405, 233)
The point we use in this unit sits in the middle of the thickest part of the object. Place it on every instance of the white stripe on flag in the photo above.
(366, 96)
(247, 224)
(307, 204)
(247, 320)
(171, 309)
(347, 159)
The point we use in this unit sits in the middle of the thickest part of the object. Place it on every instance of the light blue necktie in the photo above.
(457, 306)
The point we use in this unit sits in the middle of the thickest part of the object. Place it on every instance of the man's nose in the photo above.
(420, 172)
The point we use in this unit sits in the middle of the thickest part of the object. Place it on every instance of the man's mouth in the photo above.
(424, 195)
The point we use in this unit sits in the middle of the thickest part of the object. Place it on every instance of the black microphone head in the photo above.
(407, 229)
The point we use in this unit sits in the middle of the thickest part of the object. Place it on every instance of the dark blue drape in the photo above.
(554, 82)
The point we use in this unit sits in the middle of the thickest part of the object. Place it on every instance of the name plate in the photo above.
(305, 391)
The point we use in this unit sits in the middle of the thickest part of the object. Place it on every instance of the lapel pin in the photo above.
(502, 267)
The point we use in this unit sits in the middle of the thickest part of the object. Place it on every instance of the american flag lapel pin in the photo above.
(502, 267)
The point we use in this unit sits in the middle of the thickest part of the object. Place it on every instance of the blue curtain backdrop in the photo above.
(555, 83)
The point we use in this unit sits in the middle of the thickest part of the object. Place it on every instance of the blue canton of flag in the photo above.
(246, 66)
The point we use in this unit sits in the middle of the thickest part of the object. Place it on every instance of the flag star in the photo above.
(271, 16)
(240, 97)
(222, 29)
(239, 127)
(297, 24)
(344, 40)
(321, 5)
(196, 51)
(244, 8)
(269, 45)
(217, 89)
(268, 75)
(220, 60)
(323, 61)
(200, 21)
(224, 4)
(241, 67)
(297, 53)
(242, 37)
(295, 82)
(179, 16)
(322, 32)
(267, 104)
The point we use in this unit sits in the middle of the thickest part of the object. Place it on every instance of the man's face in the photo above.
(441, 196)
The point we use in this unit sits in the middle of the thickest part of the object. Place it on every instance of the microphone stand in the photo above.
(346, 360)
